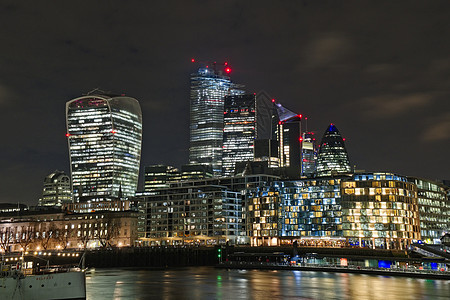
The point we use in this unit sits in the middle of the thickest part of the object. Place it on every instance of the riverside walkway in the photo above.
(416, 273)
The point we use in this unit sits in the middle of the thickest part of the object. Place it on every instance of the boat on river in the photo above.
(23, 281)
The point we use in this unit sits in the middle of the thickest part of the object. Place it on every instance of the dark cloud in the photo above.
(394, 105)
(380, 71)
(438, 129)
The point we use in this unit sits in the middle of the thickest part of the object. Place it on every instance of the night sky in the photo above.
(379, 71)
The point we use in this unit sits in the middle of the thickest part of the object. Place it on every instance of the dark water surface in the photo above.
(211, 283)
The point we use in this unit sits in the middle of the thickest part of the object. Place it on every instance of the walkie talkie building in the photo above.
(104, 134)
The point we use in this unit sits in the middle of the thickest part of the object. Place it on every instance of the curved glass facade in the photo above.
(57, 190)
(332, 158)
(104, 136)
(380, 210)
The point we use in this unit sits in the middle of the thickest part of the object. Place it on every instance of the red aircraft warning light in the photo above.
(228, 70)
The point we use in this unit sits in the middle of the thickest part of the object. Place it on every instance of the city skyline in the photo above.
(384, 81)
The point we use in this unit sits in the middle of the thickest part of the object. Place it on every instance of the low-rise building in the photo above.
(434, 210)
(57, 190)
(205, 211)
(380, 210)
(55, 229)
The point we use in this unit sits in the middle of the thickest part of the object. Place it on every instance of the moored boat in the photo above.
(23, 282)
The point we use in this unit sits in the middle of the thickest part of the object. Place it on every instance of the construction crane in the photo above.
(214, 65)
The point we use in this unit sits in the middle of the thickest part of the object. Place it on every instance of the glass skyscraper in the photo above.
(332, 158)
(104, 134)
(208, 90)
(289, 139)
(309, 154)
(239, 131)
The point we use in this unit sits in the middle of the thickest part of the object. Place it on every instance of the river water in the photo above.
(211, 283)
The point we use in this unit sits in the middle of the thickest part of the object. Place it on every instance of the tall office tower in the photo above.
(332, 158)
(309, 154)
(266, 117)
(104, 135)
(290, 140)
(159, 176)
(57, 190)
(266, 145)
(239, 131)
(208, 90)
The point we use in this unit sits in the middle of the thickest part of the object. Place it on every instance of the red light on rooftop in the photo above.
(300, 116)
(192, 59)
(67, 134)
(343, 139)
(273, 100)
(227, 69)
(226, 64)
(300, 139)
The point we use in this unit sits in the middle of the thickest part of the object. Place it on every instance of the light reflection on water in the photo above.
(211, 283)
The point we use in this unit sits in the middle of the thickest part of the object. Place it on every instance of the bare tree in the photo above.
(26, 236)
(48, 236)
(107, 231)
(63, 236)
(6, 238)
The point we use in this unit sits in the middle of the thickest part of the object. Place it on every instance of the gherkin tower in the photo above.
(332, 158)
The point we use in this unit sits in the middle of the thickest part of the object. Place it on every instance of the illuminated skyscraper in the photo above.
(332, 158)
(208, 90)
(309, 154)
(239, 131)
(104, 135)
(289, 139)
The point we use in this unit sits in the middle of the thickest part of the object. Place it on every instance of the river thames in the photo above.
(211, 283)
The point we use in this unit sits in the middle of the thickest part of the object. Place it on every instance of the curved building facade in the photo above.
(380, 210)
(57, 190)
(104, 135)
(332, 158)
